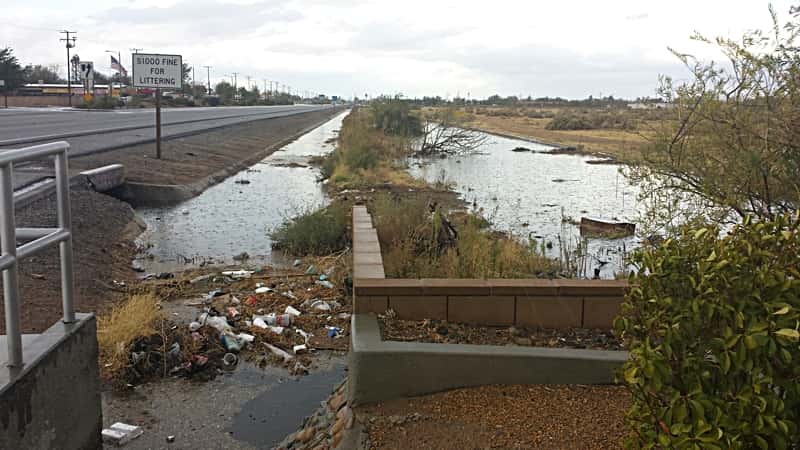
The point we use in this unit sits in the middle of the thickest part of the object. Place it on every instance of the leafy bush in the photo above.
(712, 328)
(319, 232)
(394, 117)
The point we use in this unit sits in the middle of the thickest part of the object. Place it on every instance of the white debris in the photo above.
(300, 348)
(238, 274)
(291, 310)
(321, 305)
(121, 433)
(278, 352)
(263, 290)
(305, 335)
(246, 338)
(259, 322)
(325, 283)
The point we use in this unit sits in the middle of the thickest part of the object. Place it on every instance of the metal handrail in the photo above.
(40, 238)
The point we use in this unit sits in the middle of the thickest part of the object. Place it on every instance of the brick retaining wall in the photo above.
(543, 303)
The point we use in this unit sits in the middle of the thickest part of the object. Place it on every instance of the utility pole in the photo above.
(208, 75)
(235, 81)
(265, 88)
(70, 41)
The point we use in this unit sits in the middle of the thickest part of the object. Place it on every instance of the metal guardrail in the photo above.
(37, 238)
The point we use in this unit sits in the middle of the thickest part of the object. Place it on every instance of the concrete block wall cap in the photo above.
(365, 235)
(455, 286)
(526, 287)
(366, 247)
(602, 288)
(361, 257)
(369, 271)
(389, 286)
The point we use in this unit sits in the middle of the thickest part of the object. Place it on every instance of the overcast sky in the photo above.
(565, 48)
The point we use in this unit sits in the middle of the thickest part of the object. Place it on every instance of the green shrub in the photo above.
(394, 117)
(319, 232)
(712, 328)
(102, 102)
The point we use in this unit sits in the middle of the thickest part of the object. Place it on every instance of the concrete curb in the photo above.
(146, 194)
(382, 370)
(100, 179)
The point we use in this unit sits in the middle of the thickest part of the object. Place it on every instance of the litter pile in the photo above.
(261, 315)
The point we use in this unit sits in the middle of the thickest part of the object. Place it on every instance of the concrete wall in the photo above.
(382, 370)
(502, 302)
(54, 401)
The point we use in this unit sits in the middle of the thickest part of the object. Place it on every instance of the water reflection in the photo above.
(231, 217)
(542, 196)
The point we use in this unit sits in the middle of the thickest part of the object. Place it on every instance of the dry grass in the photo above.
(137, 317)
(411, 249)
(623, 144)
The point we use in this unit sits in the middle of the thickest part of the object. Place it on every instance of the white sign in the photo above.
(157, 71)
(2, 83)
(86, 70)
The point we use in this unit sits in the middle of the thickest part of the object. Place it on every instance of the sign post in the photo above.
(86, 69)
(157, 72)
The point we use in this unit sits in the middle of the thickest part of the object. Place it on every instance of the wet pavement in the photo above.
(248, 408)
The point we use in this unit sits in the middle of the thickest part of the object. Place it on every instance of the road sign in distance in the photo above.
(157, 71)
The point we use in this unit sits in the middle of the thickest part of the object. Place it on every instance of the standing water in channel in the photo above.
(541, 197)
(236, 216)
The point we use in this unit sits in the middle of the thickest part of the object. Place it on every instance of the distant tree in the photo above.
(225, 91)
(100, 78)
(45, 74)
(10, 70)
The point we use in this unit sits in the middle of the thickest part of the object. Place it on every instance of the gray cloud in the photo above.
(201, 19)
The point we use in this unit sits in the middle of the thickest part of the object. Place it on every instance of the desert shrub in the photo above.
(394, 117)
(593, 120)
(712, 328)
(319, 232)
(412, 245)
(102, 102)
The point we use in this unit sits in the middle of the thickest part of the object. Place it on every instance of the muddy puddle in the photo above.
(236, 216)
(249, 408)
(542, 196)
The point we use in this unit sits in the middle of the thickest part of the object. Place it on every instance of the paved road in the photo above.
(92, 131)
(95, 131)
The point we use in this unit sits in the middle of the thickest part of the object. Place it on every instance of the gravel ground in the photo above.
(530, 417)
(437, 331)
(102, 229)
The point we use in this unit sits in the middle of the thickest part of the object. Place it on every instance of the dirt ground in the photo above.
(102, 231)
(441, 332)
(623, 145)
(191, 158)
(529, 417)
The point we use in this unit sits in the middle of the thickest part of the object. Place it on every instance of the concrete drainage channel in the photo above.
(383, 370)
